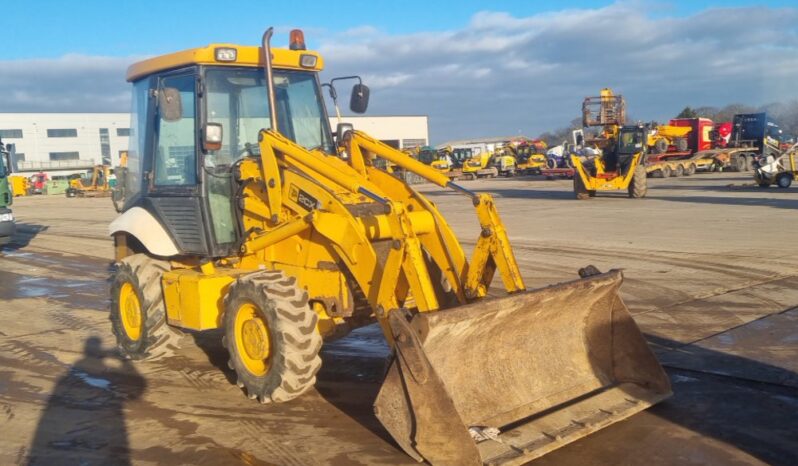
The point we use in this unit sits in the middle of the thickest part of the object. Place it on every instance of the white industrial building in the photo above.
(63, 143)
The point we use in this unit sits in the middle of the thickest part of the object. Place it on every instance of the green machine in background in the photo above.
(7, 166)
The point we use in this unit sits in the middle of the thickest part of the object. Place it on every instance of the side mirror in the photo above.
(360, 98)
(170, 103)
(341, 130)
(212, 137)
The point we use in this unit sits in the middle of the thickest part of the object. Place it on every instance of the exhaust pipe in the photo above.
(266, 50)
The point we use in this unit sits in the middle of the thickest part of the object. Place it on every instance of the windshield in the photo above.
(428, 156)
(462, 154)
(236, 98)
(630, 142)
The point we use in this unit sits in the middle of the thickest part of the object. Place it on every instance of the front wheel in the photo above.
(638, 187)
(138, 313)
(270, 333)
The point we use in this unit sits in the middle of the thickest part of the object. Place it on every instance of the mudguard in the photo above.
(142, 225)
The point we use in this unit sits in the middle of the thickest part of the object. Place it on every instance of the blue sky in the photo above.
(476, 68)
(51, 28)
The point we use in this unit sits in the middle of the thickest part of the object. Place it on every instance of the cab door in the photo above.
(172, 175)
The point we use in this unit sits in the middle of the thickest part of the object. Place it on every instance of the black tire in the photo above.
(551, 163)
(740, 163)
(294, 342)
(580, 191)
(660, 146)
(784, 180)
(679, 170)
(690, 170)
(681, 144)
(638, 187)
(665, 171)
(157, 338)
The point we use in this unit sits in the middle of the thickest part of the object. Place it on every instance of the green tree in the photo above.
(687, 113)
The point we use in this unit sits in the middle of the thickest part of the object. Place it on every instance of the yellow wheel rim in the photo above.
(252, 339)
(130, 311)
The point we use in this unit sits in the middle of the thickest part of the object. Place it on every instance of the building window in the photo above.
(56, 156)
(123, 131)
(62, 133)
(105, 146)
(10, 134)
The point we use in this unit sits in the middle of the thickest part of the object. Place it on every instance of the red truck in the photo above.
(700, 138)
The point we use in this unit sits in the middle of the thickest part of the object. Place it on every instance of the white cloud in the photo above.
(71, 83)
(537, 69)
(500, 71)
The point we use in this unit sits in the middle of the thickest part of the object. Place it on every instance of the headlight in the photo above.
(225, 54)
(307, 61)
(9, 217)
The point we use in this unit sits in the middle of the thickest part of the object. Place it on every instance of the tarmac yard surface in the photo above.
(711, 278)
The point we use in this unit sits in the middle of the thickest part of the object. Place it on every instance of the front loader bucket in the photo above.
(506, 380)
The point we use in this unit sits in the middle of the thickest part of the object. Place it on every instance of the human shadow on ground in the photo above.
(84, 419)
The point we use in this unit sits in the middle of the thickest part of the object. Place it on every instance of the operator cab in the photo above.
(196, 114)
(630, 142)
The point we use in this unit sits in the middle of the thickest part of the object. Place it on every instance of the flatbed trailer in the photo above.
(551, 173)
(668, 156)
(738, 159)
(665, 167)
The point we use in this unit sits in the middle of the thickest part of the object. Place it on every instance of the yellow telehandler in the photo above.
(289, 235)
(620, 163)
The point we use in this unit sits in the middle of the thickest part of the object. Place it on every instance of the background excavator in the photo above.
(95, 184)
(288, 236)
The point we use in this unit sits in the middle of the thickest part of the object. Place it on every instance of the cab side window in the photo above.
(175, 150)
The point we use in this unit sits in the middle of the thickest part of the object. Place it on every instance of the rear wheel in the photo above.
(580, 191)
(551, 163)
(740, 163)
(270, 333)
(660, 146)
(679, 170)
(638, 187)
(681, 144)
(665, 171)
(138, 313)
(690, 170)
(784, 180)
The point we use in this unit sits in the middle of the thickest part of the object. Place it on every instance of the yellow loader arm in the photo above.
(493, 247)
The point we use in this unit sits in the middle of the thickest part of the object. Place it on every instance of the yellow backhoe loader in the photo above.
(284, 241)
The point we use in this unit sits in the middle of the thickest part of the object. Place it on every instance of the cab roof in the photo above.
(246, 55)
